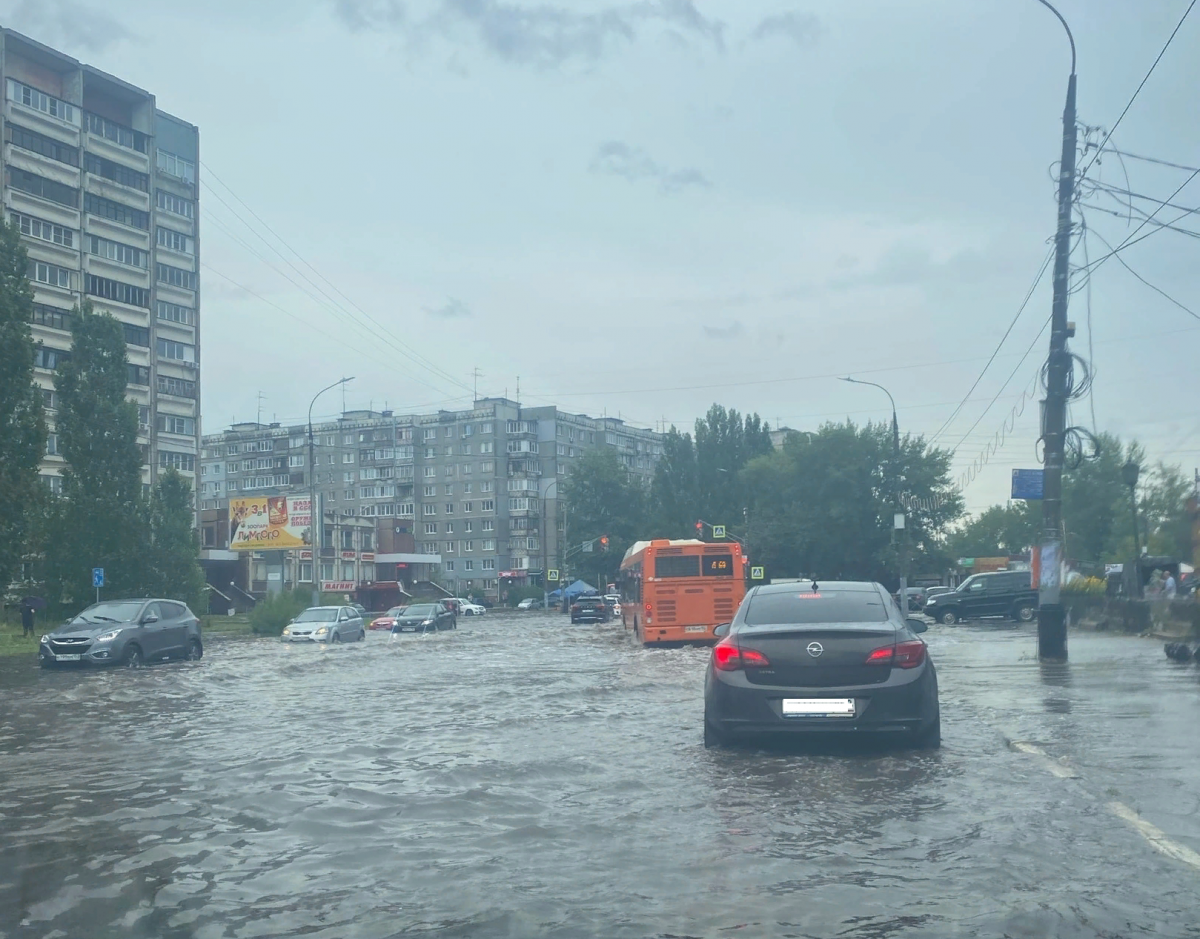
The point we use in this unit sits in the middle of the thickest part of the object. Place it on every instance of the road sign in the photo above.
(718, 531)
(552, 574)
(756, 573)
(1027, 484)
(588, 546)
(97, 576)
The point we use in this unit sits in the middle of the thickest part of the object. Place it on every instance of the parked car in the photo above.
(590, 610)
(124, 632)
(827, 658)
(425, 617)
(387, 620)
(935, 591)
(999, 593)
(467, 608)
(532, 603)
(326, 624)
(916, 598)
(360, 610)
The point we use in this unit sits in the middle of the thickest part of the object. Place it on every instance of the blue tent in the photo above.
(579, 587)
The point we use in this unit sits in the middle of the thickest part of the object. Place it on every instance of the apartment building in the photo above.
(472, 495)
(102, 185)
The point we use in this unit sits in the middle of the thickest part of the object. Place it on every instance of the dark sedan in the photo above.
(424, 618)
(124, 632)
(820, 658)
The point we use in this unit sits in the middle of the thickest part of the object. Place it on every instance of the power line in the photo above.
(1029, 294)
(1157, 290)
(1147, 159)
(1137, 91)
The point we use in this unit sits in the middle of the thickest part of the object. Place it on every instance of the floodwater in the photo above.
(521, 777)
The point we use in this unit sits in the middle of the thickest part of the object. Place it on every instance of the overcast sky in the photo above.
(643, 207)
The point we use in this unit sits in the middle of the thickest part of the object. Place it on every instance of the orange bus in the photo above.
(679, 591)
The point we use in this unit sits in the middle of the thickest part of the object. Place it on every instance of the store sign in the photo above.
(305, 555)
(347, 555)
(369, 556)
(511, 573)
(337, 586)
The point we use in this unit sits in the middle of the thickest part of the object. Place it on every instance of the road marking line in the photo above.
(1058, 769)
(1155, 836)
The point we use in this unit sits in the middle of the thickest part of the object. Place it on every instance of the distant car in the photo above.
(387, 620)
(614, 603)
(124, 632)
(360, 609)
(916, 598)
(590, 610)
(996, 593)
(467, 608)
(820, 659)
(425, 618)
(532, 603)
(326, 624)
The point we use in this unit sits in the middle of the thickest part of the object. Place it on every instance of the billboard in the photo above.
(269, 523)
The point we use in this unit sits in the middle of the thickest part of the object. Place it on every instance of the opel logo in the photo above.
(815, 649)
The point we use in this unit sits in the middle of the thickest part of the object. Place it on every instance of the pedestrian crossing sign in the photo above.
(756, 573)
(718, 531)
(551, 574)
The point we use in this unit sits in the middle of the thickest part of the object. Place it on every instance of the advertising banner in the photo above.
(268, 523)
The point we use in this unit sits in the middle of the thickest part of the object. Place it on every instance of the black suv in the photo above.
(1002, 593)
(124, 632)
(591, 610)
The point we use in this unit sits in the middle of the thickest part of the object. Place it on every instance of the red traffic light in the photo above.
(604, 541)
(700, 526)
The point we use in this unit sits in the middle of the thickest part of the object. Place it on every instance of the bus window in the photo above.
(678, 565)
(718, 565)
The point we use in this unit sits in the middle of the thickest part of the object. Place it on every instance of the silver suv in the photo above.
(124, 632)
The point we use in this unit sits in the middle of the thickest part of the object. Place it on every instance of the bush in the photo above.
(269, 616)
(1093, 586)
(517, 594)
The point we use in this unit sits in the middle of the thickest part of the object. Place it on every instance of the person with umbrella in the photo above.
(28, 606)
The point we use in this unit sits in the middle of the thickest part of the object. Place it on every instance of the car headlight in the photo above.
(427, 622)
(109, 636)
(46, 638)
(322, 630)
(287, 630)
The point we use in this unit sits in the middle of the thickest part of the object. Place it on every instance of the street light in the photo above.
(546, 547)
(896, 487)
(1129, 475)
(316, 523)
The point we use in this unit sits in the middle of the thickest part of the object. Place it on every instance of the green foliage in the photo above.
(270, 615)
(1086, 586)
(998, 531)
(517, 594)
(823, 505)
(603, 499)
(173, 564)
(22, 425)
(101, 519)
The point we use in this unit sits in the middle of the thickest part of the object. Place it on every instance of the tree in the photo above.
(175, 548)
(101, 517)
(674, 493)
(823, 505)
(22, 424)
(997, 531)
(603, 500)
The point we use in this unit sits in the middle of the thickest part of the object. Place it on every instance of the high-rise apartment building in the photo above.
(474, 493)
(102, 186)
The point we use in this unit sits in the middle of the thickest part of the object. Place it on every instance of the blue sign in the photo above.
(97, 576)
(1027, 484)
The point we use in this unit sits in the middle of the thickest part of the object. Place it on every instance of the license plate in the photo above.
(818, 707)
(68, 658)
(695, 629)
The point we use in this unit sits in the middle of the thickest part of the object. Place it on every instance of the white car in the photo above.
(467, 608)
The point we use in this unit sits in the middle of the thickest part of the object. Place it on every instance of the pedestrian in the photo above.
(1168, 587)
(26, 619)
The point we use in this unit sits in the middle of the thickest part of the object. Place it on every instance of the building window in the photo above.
(430, 509)
(430, 453)
(51, 274)
(176, 166)
(468, 469)
(176, 205)
(468, 546)
(449, 565)
(116, 251)
(305, 574)
(119, 134)
(468, 526)
(429, 491)
(468, 507)
(488, 564)
(136, 335)
(348, 477)
(326, 570)
(449, 508)
(405, 509)
(52, 444)
(487, 447)
(169, 424)
(117, 291)
(116, 211)
(179, 461)
(431, 528)
(488, 524)
(468, 429)
(518, 505)
(177, 351)
(174, 313)
(140, 375)
(449, 432)
(175, 241)
(466, 449)
(448, 548)
(51, 359)
(486, 486)
(488, 466)
(430, 472)
(43, 188)
(487, 505)
(449, 528)
(42, 230)
(175, 276)
(487, 545)
(485, 428)
(347, 457)
(449, 469)
(123, 175)
(53, 483)
(348, 494)
(179, 387)
(40, 101)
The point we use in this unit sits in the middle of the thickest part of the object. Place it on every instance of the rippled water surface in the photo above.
(523, 777)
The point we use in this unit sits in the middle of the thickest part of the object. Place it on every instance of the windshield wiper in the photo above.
(104, 619)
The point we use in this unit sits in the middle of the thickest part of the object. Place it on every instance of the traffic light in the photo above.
(699, 529)
(604, 542)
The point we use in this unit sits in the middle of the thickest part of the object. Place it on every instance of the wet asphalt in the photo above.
(521, 777)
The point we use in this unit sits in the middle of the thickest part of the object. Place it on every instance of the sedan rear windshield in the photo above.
(774, 609)
(113, 611)
(317, 616)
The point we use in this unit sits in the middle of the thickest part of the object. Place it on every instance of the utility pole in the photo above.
(1052, 629)
(316, 521)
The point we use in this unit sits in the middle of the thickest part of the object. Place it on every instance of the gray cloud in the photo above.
(615, 158)
(453, 308)
(802, 28)
(68, 25)
(733, 331)
(543, 35)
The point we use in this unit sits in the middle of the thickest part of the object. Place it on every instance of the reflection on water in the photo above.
(522, 777)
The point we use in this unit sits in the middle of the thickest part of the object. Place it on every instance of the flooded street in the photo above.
(523, 777)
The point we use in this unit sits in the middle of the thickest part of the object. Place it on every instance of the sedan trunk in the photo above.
(841, 651)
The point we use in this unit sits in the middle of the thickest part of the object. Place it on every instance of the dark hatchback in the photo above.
(424, 618)
(816, 659)
(124, 632)
(590, 610)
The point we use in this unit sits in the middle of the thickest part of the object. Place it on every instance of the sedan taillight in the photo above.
(727, 657)
(908, 654)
